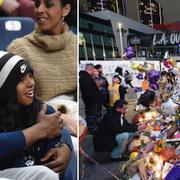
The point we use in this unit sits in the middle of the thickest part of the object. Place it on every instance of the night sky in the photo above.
(171, 10)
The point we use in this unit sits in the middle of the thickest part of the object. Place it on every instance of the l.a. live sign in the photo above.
(166, 39)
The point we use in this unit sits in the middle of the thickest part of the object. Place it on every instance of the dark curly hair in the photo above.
(71, 18)
(15, 117)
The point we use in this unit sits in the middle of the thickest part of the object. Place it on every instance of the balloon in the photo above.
(148, 66)
(152, 81)
(153, 77)
(141, 68)
(139, 76)
(171, 61)
(155, 86)
(134, 66)
(153, 74)
(167, 64)
(129, 52)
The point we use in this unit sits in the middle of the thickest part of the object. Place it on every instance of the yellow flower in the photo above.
(159, 146)
(133, 156)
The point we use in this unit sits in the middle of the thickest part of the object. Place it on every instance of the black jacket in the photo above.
(110, 126)
(89, 90)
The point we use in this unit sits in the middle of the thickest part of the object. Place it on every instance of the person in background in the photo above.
(114, 90)
(97, 79)
(138, 85)
(122, 91)
(163, 82)
(9, 7)
(95, 74)
(28, 136)
(91, 96)
(23, 8)
(105, 84)
(119, 72)
(128, 78)
(26, 8)
(170, 83)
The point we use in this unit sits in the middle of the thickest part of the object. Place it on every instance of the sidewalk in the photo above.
(90, 170)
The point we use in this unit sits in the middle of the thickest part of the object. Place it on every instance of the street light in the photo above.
(85, 50)
(104, 52)
(93, 50)
(117, 7)
(120, 37)
(113, 52)
(102, 8)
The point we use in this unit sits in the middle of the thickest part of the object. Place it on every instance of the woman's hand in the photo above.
(70, 123)
(58, 158)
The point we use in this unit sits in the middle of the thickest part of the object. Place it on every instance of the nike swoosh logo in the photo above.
(23, 68)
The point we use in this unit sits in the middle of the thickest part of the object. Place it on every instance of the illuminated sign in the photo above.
(166, 39)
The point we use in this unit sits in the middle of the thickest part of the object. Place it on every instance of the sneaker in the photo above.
(123, 158)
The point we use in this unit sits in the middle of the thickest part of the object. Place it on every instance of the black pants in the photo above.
(93, 115)
(129, 83)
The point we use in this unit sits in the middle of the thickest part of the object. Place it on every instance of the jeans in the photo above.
(121, 140)
(71, 171)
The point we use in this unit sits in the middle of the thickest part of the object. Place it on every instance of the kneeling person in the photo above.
(114, 132)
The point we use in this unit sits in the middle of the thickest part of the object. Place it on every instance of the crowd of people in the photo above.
(36, 137)
(24, 8)
(106, 104)
(98, 94)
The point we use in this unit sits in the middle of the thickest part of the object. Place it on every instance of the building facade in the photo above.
(117, 6)
(128, 27)
(155, 45)
(149, 12)
(97, 41)
(108, 34)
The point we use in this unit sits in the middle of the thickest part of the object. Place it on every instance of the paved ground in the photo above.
(88, 169)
